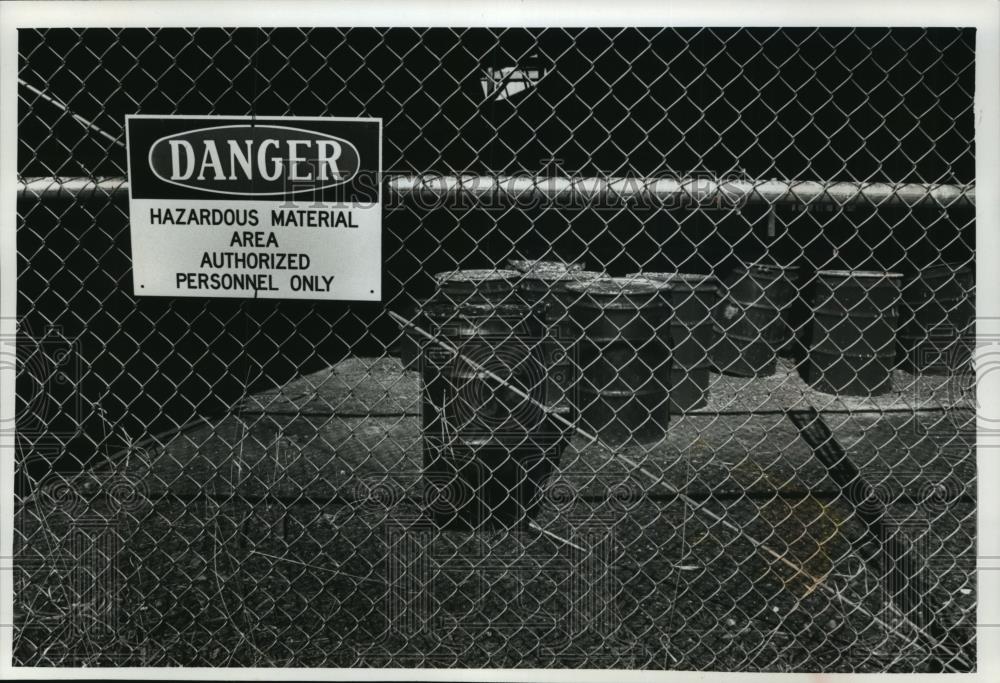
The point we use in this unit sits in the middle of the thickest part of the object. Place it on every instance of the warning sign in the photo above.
(264, 207)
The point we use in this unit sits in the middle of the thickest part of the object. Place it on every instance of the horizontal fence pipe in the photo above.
(691, 190)
(673, 191)
(49, 187)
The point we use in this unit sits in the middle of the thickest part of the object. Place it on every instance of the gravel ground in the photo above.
(206, 583)
(290, 535)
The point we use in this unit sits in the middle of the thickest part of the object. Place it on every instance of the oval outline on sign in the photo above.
(314, 188)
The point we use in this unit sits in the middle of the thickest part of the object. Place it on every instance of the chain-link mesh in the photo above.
(739, 438)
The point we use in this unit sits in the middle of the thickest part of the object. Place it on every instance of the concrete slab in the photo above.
(724, 455)
(380, 386)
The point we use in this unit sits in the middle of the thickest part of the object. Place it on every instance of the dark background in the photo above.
(891, 105)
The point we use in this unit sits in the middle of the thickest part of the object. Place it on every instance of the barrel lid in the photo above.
(660, 285)
(768, 267)
(567, 276)
(445, 308)
(694, 280)
(527, 265)
(859, 273)
(615, 286)
(476, 275)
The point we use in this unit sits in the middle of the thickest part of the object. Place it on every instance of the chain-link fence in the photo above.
(738, 436)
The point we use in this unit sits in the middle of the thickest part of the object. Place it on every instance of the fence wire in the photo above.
(729, 427)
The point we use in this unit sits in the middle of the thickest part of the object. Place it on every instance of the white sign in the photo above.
(270, 208)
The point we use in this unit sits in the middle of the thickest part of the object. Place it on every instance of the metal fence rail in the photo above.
(687, 190)
(270, 483)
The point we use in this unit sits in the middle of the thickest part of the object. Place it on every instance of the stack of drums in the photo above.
(624, 356)
(938, 319)
(853, 346)
(487, 449)
(548, 289)
(749, 320)
(692, 332)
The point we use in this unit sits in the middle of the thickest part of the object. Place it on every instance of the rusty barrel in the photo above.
(487, 449)
(938, 319)
(528, 265)
(458, 287)
(749, 319)
(692, 332)
(548, 289)
(852, 349)
(624, 356)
